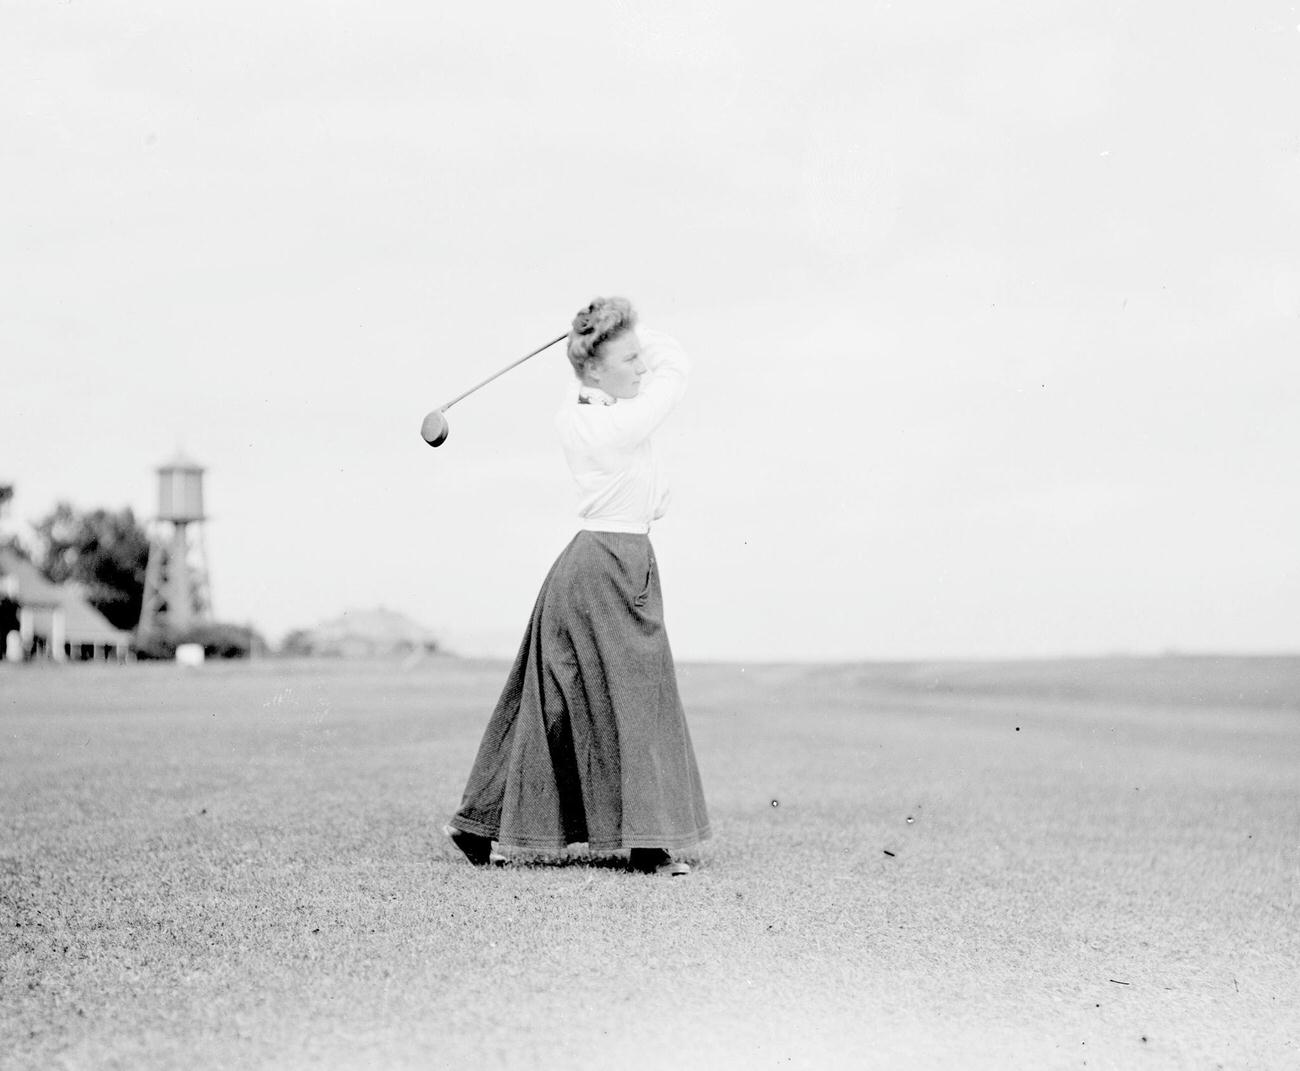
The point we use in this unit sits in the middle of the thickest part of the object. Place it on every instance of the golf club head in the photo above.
(434, 428)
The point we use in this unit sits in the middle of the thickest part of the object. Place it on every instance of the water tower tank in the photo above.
(176, 594)
(180, 491)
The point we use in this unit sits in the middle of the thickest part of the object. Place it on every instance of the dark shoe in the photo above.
(647, 860)
(655, 861)
(478, 850)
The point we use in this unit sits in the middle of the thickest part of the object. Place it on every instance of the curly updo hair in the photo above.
(595, 324)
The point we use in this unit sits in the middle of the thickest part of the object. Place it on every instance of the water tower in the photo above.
(176, 594)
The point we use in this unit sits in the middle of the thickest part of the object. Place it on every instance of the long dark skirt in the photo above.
(588, 742)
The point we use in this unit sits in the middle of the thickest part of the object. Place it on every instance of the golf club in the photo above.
(434, 429)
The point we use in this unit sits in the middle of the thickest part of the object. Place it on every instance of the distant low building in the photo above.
(377, 633)
(26, 593)
(87, 634)
(42, 619)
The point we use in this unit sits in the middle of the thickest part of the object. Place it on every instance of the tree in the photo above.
(218, 640)
(104, 551)
(8, 541)
(297, 643)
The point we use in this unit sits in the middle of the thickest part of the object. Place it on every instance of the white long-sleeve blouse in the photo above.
(607, 441)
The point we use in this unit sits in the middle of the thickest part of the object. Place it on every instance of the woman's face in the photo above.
(620, 369)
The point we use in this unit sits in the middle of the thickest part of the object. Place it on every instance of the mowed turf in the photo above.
(1034, 865)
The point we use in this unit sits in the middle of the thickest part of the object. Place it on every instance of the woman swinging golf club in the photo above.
(588, 742)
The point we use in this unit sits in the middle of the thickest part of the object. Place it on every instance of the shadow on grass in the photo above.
(555, 860)
(574, 856)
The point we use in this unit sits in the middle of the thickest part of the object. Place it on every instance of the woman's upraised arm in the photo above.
(633, 419)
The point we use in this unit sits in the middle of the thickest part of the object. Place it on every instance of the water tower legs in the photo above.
(176, 595)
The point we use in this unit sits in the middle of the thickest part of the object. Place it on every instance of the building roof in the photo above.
(82, 623)
(181, 461)
(26, 585)
(375, 632)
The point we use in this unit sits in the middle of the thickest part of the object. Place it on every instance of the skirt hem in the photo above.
(669, 843)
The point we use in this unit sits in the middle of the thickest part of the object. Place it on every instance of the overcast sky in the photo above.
(994, 308)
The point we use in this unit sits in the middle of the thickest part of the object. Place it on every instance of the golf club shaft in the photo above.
(494, 375)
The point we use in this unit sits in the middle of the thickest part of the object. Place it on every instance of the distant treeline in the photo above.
(105, 552)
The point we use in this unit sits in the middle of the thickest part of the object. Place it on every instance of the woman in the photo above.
(588, 742)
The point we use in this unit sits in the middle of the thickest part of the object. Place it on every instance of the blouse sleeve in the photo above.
(633, 419)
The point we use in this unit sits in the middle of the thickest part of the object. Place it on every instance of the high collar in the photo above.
(594, 396)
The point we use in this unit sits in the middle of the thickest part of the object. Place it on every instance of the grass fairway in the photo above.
(1033, 865)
